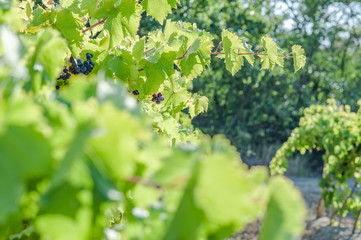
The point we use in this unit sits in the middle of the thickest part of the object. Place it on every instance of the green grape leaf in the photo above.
(285, 211)
(169, 126)
(61, 199)
(159, 9)
(272, 58)
(122, 65)
(232, 44)
(188, 218)
(176, 96)
(54, 61)
(197, 105)
(156, 73)
(121, 141)
(299, 59)
(66, 3)
(243, 189)
(138, 49)
(175, 167)
(42, 16)
(69, 25)
(90, 5)
(19, 163)
(11, 190)
(60, 227)
(25, 162)
(194, 63)
(123, 18)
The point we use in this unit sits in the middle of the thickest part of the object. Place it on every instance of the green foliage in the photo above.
(257, 110)
(90, 161)
(336, 130)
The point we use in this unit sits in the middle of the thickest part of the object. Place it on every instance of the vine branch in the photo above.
(135, 179)
(219, 53)
(98, 23)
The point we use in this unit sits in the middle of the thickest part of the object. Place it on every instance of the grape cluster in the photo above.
(77, 67)
(157, 98)
(65, 75)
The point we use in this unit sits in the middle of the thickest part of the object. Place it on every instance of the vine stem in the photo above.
(135, 179)
(218, 53)
(344, 205)
(221, 42)
(184, 55)
(98, 23)
(355, 223)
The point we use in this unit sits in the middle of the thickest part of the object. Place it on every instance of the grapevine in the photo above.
(334, 129)
(107, 167)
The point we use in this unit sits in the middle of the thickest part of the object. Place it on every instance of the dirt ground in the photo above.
(316, 229)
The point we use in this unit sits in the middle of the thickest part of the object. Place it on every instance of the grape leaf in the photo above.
(42, 16)
(156, 73)
(69, 25)
(285, 211)
(195, 62)
(122, 65)
(176, 96)
(159, 9)
(89, 5)
(123, 19)
(299, 59)
(199, 104)
(232, 44)
(220, 170)
(272, 58)
(66, 3)
(188, 218)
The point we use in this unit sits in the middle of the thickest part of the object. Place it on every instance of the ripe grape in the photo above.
(157, 98)
(136, 92)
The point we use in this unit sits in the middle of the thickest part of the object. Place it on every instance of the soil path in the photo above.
(316, 229)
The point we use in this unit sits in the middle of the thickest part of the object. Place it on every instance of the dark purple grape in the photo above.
(57, 87)
(78, 61)
(77, 70)
(71, 69)
(161, 98)
(89, 56)
(65, 69)
(91, 63)
(86, 63)
(136, 92)
(83, 69)
(68, 75)
(157, 102)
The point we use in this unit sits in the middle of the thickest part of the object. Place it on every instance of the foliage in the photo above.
(255, 109)
(336, 131)
(88, 162)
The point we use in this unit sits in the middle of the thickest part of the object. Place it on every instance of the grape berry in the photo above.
(77, 67)
(157, 98)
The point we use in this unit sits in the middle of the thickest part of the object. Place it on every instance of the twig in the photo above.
(253, 54)
(98, 23)
(135, 179)
(218, 46)
(355, 223)
(344, 203)
(259, 48)
(178, 58)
